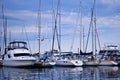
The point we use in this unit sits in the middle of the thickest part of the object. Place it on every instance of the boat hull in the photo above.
(18, 63)
(91, 63)
(45, 64)
(108, 63)
(69, 63)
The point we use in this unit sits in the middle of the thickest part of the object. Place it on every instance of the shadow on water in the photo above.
(61, 73)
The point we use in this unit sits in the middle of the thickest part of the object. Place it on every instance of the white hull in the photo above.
(45, 64)
(91, 63)
(18, 63)
(67, 62)
(108, 63)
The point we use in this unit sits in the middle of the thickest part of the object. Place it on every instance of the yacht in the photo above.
(18, 55)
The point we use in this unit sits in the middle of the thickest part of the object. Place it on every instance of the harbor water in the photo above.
(61, 73)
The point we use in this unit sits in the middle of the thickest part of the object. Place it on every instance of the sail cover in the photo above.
(84, 53)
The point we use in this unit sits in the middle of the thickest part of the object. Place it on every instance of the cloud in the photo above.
(111, 21)
(111, 2)
(21, 14)
(68, 20)
(29, 29)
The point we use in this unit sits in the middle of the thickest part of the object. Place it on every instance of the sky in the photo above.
(22, 22)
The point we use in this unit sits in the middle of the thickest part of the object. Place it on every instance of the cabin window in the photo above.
(17, 45)
(22, 54)
(21, 45)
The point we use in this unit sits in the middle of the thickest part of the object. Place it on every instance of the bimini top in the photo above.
(13, 42)
(17, 45)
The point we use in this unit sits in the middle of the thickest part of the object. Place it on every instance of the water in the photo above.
(61, 73)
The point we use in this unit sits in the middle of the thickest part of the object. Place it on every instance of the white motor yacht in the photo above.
(18, 55)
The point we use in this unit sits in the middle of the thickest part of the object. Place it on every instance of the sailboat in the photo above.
(91, 60)
(45, 61)
(42, 62)
(68, 61)
(59, 59)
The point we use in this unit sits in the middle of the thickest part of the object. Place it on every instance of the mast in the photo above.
(5, 33)
(59, 12)
(91, 24)
(55, 29)
(81, 30)
(0, 28)
(4, 20)
(80, 25)
(96, 33)
(92, 31)
(96, 37)
(94, 8)
(83, 41)
(53, 26)
(39, 27)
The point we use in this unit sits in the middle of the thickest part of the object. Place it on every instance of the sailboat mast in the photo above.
(39, 26)
(83, 41)
(53, 26)
(92, 31)
(5, 32)
(0, 28)
(96, 33)
(93, 24)
(59, 11)
(80, 25)
(94, 8)
(4, 20)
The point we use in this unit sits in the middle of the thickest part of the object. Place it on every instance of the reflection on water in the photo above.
(61, 73)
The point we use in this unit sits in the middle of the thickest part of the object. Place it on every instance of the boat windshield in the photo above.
(21, 54)
(16, 45)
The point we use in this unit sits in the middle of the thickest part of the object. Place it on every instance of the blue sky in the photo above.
(22, 18)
